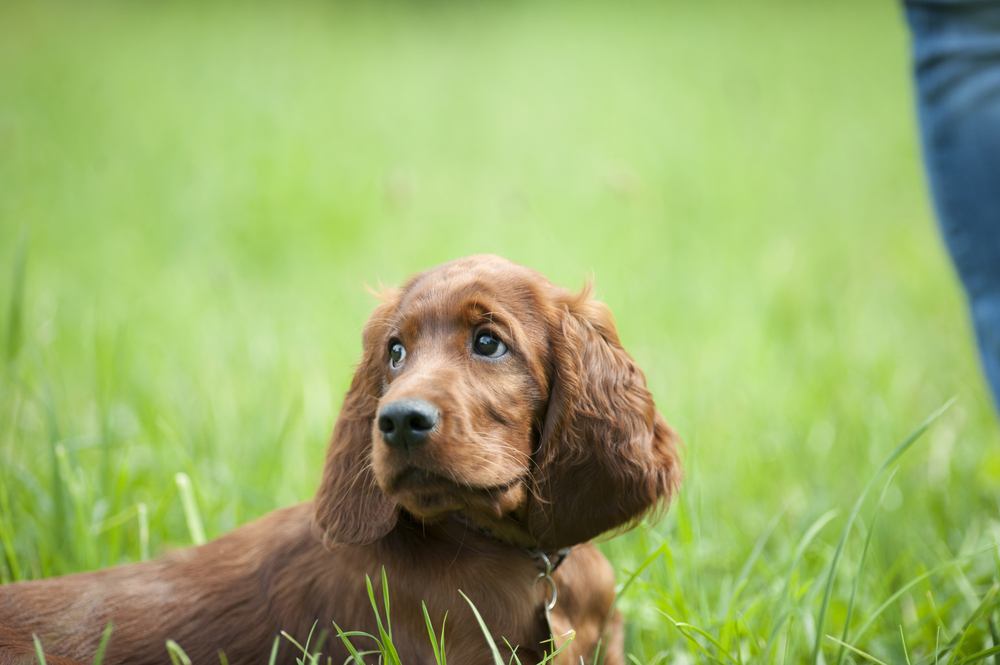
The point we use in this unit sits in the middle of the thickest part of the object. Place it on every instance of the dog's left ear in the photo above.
(350, 508)
(605, 455)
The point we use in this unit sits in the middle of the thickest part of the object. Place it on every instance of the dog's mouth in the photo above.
(429, 494)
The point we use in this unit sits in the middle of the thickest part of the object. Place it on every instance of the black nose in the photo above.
(407, 422)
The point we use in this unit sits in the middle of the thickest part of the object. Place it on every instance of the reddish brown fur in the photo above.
(549, 446)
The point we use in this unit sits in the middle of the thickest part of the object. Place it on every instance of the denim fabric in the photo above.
(956, 56)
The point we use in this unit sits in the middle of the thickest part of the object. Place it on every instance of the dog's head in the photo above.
(487, 391)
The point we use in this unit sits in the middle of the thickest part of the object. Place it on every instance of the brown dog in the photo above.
(494, 421)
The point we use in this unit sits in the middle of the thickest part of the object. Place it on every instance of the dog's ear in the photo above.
(350, 508)
(605, 456)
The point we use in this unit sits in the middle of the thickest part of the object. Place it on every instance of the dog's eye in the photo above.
(397, 352)
(487, 344)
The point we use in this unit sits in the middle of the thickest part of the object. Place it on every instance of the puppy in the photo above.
(493, 427)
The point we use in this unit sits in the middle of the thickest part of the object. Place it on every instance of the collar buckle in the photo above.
(546, 566)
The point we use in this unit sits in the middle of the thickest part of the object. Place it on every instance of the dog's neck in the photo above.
(506, 530)
(506, 533)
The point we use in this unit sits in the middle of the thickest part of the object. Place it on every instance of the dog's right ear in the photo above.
(350, 508)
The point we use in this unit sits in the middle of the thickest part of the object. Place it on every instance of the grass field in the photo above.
(192, 200)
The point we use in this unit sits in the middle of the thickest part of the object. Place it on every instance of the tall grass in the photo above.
(193, 198)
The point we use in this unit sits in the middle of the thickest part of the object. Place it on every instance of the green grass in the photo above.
(192, 200)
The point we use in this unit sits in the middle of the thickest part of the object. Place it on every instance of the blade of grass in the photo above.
(980, 655)
(935, 613)
(444, 652)
(176, 653)
(599, 652)
(550, 656)
(995, 635)
(494, 652)
(861, 567)
(385, 604)
(142, 514)
(912, 583)
(683, 627)
(788, 639)
(7, 540)
(984, 608)
(387, 647)
(273, 658)
(39, 652)
(648, 561)
(744, 575)
(102, 647)
(15, 307)
(800, 550)
(854, 649)
(307, 651)
(191, 514)
(831, 574)
(431, 634)
(303, 649)
(514, 660)
(58, 486)
(345, 638)
(78, 501)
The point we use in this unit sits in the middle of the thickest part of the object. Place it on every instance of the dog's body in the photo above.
(494, 417)
(236, 593)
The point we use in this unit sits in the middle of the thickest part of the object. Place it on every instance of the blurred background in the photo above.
(195, 196)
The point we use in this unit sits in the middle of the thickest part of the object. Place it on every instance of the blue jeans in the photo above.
(956, 56)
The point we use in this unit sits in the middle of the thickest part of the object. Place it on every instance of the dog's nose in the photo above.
(407, 422)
